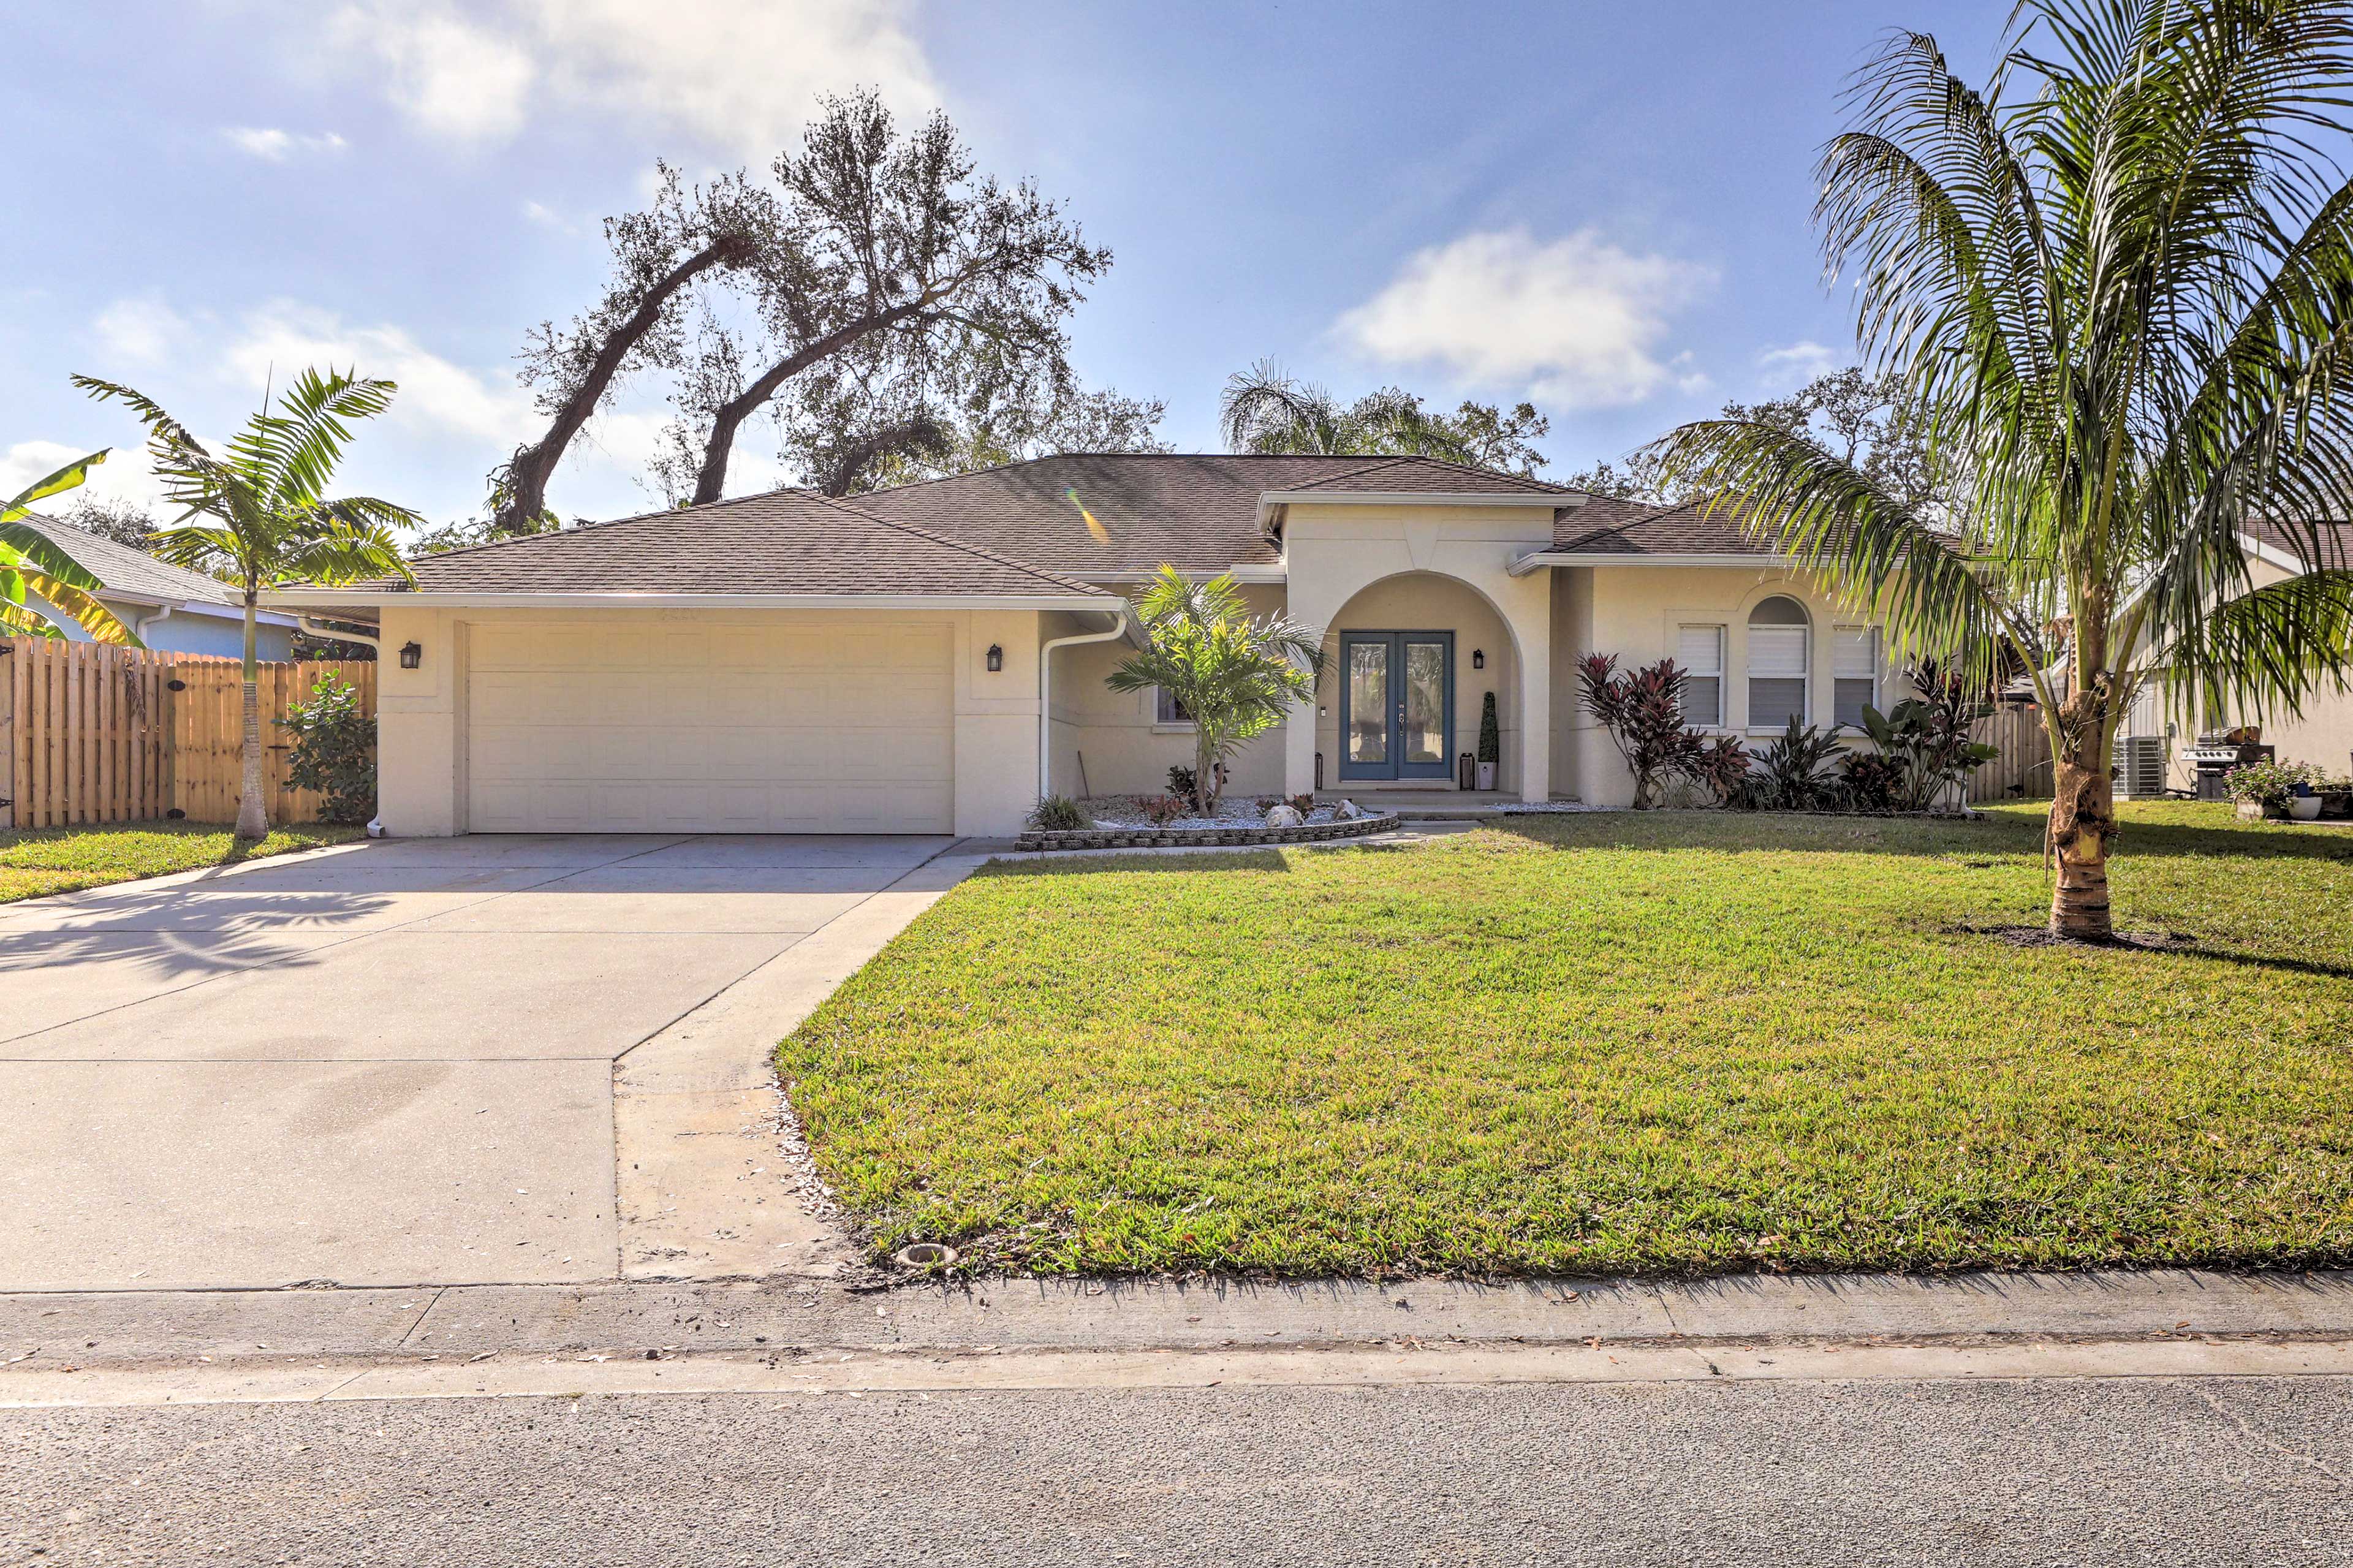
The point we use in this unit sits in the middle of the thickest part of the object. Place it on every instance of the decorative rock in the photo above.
(1349, 811)
(1285, 817)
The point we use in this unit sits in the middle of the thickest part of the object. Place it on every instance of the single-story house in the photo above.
(2323, 732)
(167, 607)
(930, 658)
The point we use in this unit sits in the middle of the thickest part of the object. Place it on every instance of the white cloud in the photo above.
(1577, 321)
(142, 328)
(436, 394)
(741, 75)
(276, 146)
(1797, 364)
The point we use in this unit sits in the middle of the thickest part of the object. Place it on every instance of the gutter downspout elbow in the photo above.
(339, 634)
(139, 627)
(1045, 691)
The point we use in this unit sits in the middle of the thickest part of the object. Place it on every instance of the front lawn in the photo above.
(1609, 1042)
(65, 859)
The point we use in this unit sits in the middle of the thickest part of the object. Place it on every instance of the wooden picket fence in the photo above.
(2022, 771)
(93, 734)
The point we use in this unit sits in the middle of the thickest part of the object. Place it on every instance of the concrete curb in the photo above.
(785, 1312)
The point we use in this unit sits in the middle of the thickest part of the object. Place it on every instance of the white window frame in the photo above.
(1805, 673)
(1838, 642)
(1721, 723)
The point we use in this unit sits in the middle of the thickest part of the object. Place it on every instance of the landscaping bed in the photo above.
(1319, 828)
(34, 861)
(1604, 1043)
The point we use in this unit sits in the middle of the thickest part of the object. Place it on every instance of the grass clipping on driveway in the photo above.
(41, 860)
(1679, 1042)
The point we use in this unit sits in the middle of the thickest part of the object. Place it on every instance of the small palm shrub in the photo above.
(1057, 813)
(333, 749)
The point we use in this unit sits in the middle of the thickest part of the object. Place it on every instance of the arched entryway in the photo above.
(1410, 664)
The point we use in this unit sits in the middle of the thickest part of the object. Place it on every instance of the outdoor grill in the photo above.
(2215, 754)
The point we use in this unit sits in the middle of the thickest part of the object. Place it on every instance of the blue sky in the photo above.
(1603, 207)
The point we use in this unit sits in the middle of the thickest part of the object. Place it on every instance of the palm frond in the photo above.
(83, 609)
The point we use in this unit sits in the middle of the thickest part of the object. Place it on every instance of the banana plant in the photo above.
(34, 566)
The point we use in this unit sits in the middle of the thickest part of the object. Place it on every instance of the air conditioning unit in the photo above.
(2142, 758)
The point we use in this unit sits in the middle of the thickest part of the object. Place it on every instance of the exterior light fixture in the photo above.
(996, 658)
(411, 656)
(1478, 658)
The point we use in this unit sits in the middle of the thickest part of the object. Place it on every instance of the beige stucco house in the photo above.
(931, 659)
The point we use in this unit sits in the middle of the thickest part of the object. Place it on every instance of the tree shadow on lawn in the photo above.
(2007, 834)
(1146, 862)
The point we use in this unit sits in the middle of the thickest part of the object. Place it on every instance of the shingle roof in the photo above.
(132, 573)
(1195, 510)
(1606, 526)
(2334, 540)
(785, 541)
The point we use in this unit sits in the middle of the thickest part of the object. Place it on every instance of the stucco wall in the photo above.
(1126, 750)
(1635, 612)
(421, 714)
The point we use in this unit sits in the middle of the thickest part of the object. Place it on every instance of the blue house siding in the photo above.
(211, 630)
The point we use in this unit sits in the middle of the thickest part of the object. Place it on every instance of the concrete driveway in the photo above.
(395, 1064)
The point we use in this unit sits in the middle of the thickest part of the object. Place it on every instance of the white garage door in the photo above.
(807, 726)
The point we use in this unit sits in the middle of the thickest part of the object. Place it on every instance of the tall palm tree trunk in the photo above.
(252, 821)
(2082, 821)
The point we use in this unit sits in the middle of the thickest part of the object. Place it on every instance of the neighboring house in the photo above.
(786, 663)
(2323, 733)
(168, 607)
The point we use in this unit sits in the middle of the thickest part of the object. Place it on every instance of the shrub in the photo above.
(1491, 734)
(1723, 766)
(2273, 783)
(1792, 773)
(1302, 803)
(1057, 813)
(1183, 781)
(1927, 737)
(333, 749)
(1873, 780)
(1644, 713)
(1160, 810)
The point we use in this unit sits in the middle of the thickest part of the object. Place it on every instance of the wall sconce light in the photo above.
(1478, 658)
(996, 658)
(411, 656)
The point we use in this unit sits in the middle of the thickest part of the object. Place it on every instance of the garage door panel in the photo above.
(750, 729)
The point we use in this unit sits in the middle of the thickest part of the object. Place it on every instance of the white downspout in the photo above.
(1045, 687)
(365, 640)
(339, 634)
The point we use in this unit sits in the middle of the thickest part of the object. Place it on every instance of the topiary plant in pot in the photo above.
(1491, 743)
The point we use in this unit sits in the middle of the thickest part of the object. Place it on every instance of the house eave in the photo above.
(330, 598)
(1271, 501)
(1535, 560)
(1252, 574)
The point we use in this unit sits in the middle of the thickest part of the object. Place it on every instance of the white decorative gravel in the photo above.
(1127, 810)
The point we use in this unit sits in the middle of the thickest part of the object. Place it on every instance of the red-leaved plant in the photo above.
(1643, 713)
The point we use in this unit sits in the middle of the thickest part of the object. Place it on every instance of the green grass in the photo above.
(1677, 1042)
(66, 860)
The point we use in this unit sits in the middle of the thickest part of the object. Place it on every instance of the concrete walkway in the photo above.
(395, 1063)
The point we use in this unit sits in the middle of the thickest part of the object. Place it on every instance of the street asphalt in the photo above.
(2054, 1471)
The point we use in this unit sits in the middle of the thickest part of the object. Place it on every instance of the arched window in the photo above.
(1778, 638)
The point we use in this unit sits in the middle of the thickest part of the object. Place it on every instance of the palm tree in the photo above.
(2120, 283)
(32, 561)
(266, 520)
(1265, 410)
(1237, 677)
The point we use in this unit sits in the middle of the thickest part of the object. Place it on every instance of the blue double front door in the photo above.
(1396, 704)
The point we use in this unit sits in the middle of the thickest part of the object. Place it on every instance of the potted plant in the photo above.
(2303, 802)
(1491, 743)
(2265, 789)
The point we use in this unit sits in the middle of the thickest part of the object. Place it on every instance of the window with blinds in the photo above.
(1854, 672)
(1779, 632)
(1699, 654)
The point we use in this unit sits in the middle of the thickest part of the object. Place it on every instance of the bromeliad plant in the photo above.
(2119, 283)
(1238, 676)
(32, 564)
(258, 509)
